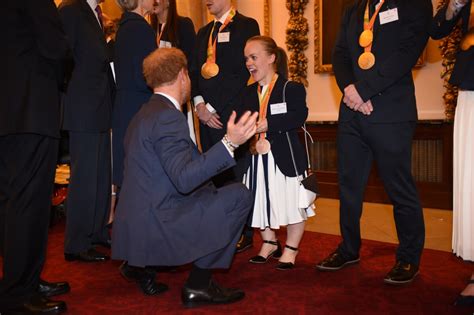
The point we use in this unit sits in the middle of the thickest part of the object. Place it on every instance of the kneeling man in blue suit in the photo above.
(169, 212)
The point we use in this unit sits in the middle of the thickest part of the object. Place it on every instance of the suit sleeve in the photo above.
(414, 36)
(440, 27)
(341, 58)
(186, 170)
(296, 114)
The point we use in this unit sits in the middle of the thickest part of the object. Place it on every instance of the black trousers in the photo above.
(88, 200)
(27, 167)
(359, 143)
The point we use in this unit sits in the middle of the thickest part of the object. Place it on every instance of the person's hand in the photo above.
(239, 132)
(365, 108)
(203, 113)
(262, 125)
(215, 122)
(352, 97)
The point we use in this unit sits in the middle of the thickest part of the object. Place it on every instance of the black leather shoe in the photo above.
(39, 305)
(244, 243)
(106, 244)
(214, 294)
(401, 273)
(465, 300)
(275, 254)
(49, 289)
(144, 277)
(90, 255)
(336, 261)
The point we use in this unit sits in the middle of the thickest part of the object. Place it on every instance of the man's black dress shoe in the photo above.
(275, 254)
(401, 273)
(90, 255)
(214, 294)
(39, 305)
(465, 300)
(144, 277)
(244, 243)
(336, 261)
(49, 289)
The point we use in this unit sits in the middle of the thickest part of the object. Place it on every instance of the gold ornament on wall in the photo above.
(449, 47)
(297, 40)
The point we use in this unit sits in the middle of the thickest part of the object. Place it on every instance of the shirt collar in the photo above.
(171, 99)
(93, 4)
(223, 17)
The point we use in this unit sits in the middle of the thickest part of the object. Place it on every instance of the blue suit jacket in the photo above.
(164, 216)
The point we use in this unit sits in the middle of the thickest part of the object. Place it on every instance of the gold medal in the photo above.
(366, 38)
(262, 146)
(366, 60)
(209, 70)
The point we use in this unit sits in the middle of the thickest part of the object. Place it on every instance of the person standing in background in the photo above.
(218, 78)
(174, 30)
(135, 40)
(378, 44)
(34, 48)
(87, 117)
(463, 156)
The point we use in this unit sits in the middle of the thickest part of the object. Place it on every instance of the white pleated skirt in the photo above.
(276, 195)
(463, 177)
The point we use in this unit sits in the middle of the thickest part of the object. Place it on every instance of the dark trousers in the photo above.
(359, 143)
(238, 203)
(27, 167)
(88, 200)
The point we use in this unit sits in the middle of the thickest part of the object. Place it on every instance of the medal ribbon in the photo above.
(212, 46)
(369, 25)
(263, 101)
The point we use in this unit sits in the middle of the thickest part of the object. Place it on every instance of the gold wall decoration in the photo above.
(449, 47)
(297, 40)
(266, 18)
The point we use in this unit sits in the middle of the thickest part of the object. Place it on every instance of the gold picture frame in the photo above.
(267, 18)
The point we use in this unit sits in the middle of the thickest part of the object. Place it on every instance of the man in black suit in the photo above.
(215, 95)
(87, 117)
(34, 46)
(377, 120)
(169, 212)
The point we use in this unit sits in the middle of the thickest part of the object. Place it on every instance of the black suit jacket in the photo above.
(280, 124)
(88, 101)
(463, 71)
(33, 48)
(223, 90)
(397, 46)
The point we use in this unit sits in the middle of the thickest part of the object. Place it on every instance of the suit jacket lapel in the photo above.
(91, 18)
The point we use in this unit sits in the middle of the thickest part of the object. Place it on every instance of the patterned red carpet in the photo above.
(99, 289)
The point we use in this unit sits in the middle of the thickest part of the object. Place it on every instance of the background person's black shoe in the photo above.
(244, 243)
(49, 289)
(144, 277)
(214, 294)
(336, 261)
(106, 243)
(401, 273)
(39, 305)
(90, 255)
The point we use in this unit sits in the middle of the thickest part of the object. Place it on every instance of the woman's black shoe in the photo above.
(275, 254)
(465, 300)
(287, 265)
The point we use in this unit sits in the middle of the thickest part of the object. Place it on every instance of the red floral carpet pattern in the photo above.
(98, 288)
